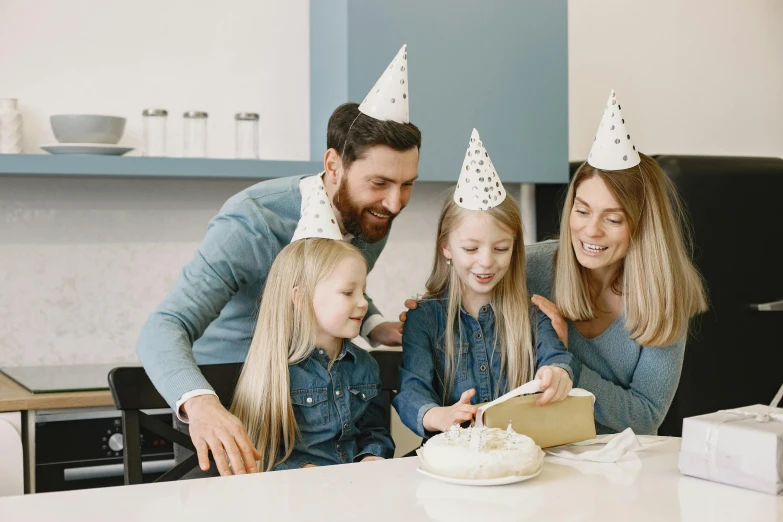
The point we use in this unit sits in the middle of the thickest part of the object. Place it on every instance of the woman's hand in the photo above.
(443, 418)
(551, 311)
(555, 383)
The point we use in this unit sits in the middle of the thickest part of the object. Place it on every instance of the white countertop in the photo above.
(649, 489)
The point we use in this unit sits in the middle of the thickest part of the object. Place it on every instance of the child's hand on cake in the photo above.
(555, 383)
(443, 418)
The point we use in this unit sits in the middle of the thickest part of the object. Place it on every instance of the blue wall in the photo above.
(497, 65)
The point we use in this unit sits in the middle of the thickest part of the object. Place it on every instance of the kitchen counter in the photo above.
(650, 488)
(14, 397)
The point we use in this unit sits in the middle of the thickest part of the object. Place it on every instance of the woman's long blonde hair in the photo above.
(285, 334)
(661, 287)
(510, 302)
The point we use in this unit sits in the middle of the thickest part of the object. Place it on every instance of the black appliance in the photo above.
(79, 449)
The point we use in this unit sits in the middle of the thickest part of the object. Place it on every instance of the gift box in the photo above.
(741, 447)
(563, 422)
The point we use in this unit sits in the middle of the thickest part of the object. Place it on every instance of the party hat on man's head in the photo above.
(612, 148)
(388, 99)
(317, 218)
(479, 187)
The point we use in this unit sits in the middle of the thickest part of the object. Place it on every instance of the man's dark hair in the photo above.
(365, 133)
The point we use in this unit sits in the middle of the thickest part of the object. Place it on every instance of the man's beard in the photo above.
(356, 221)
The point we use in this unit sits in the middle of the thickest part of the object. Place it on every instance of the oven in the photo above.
(83, 448)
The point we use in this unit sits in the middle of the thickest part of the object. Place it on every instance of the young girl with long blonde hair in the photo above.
(472, 337)
(307, 395)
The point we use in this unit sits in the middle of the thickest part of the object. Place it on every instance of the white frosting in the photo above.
(480, 453)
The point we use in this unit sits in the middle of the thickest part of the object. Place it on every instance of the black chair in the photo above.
(389, 362)
(133, 391)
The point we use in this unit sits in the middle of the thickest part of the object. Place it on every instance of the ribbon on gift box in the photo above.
(741, 414)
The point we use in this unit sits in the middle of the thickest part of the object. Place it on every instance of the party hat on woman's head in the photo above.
(612, 147)
(479, 187)
(317, 218)
(388, 99)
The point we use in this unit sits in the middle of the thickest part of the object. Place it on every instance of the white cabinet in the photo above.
(11, 467)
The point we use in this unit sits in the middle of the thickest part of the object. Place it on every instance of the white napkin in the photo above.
(616, 447)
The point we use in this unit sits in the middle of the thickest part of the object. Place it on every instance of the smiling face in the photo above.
(339, 303)
(600, 233)
(374, 190)
(480, 249)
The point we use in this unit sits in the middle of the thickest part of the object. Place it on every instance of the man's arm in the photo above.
(235, 252)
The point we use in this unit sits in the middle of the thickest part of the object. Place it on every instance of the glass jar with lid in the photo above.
(246, 135)
(155, 131)
(195, 134)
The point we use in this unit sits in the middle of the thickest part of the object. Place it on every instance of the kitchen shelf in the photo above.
(142, 167)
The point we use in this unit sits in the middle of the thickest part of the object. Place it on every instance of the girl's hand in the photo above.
(555, 383)
(443, 418)
(551, 311)
(309, 466)
(370, 458)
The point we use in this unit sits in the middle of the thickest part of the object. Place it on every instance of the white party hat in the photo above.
(479, 187)
(388, 99)
(612, 147)
(317, 218)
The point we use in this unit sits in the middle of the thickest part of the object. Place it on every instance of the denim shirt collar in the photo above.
(322, 355)
(486, 315)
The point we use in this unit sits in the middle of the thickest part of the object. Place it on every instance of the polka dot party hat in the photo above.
(317, 218)
(479, 187)
(612, 148)
(388, 99)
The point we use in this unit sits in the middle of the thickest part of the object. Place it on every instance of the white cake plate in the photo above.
(481, 482)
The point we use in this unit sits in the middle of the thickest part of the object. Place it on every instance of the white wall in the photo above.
(118, 57)
(693, 76)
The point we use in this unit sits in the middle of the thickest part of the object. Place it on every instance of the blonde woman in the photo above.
(472, 338)
(307, 396)
(619, 284)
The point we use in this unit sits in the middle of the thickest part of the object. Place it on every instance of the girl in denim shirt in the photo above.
(307, 395)
(471, 339)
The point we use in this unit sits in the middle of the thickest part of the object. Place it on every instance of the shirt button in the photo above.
(345, 426)
(483, 308)
(321, 352)
(483, 368)
(309, 400)
(364, 396)
(337, 393)
(478, 336)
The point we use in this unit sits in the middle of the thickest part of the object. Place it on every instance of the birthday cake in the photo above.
(480, 453)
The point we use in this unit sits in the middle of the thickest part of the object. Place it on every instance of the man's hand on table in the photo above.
(213, 428)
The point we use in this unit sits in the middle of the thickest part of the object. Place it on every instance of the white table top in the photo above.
(649, 489)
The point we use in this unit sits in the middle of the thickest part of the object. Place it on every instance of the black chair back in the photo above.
(389, 363)
(133, 392)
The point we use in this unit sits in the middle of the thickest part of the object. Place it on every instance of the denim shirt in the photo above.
(477, 363)
(339, 410)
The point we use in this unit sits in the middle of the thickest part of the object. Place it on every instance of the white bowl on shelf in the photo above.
(87, 128)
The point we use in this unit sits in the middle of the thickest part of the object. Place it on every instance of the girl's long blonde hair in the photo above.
(510, 301)
(661, 287)
(285, 334)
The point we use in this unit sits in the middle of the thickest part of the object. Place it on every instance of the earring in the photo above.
(448, 262)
